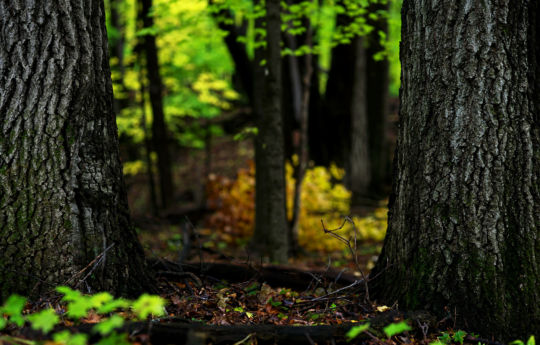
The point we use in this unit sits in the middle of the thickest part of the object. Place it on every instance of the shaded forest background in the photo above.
(184, 95)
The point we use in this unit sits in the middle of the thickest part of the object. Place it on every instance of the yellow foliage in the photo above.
(321, 199)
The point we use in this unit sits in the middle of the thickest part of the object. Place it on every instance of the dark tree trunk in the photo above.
(152, 195)
(270, 235)
(302, 149)
(377, 77)
(62, 196)
(116, 48)
(329, 130)
(464, 226)
(159, 127)
(359, 165)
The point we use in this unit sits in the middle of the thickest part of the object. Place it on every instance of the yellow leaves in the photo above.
(134, 167)
(322, 198)
(214, 91)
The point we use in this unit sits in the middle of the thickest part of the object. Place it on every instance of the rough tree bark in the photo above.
(271, 228)
(464, 223)
(159, 127)
(62, 196)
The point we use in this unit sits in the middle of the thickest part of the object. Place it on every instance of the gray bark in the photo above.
(464, 223)
(62, 197)
(271, 228)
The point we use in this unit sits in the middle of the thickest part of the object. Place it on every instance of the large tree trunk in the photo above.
(159, 127)
(464, 226)
(62, 197)
(271, 228)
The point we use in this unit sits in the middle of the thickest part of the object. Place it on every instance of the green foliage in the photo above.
(459, 336)
(12, 308)
(396, 328)
(67, 338)
(356, 330)
(79, 306)
(44, 320)
(147, 305)
(107, 326)
(530, 341)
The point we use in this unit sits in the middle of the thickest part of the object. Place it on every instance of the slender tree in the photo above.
(464, 222)
(271, 228)
(63, 210)
(159, 126)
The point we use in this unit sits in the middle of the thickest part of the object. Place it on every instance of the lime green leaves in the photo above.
(396, 328)
(44, 320)
(12, 309)
(356, 330)
(149, 305)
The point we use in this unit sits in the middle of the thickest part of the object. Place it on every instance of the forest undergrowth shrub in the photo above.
(324, 197)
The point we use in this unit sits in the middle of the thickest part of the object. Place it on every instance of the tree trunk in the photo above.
(359, 165)
(62, 195)
(159, 127)
(270, 235)
(377, 77)
(464, 223)
(116, 48)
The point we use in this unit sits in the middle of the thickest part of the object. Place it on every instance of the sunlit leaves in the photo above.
(147, 305)
(44, 320)
(67, 338)
(356, 330)
(107, 326)
(12, 308)
(396, 328)
(322, 197)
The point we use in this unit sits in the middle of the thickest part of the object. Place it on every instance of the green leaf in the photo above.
(445, 338)
(149, 305)
(459, 336)
(531, 341)
(100, 299)
(69, 294)
(44, 320)
(113, 305)
(517, 342)
(13, 308)
(3, 323)
(114, 339)
(396, 328)
(356, 330)
(79, 308)
(67, 338)
(239, 309)
(107, 326)
(14, 305)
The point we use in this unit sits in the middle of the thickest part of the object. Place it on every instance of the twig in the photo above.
(351, 250)
(94, 264)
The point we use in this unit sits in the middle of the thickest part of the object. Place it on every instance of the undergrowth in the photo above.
(324, 197)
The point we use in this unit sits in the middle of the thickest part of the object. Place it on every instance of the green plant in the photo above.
(356, 330)
(396, 328)
(531, 341)
(78, 307)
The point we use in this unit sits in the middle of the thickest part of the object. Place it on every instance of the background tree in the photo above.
(62, 197)
(464, 222)
(160, 133)
(270, 234)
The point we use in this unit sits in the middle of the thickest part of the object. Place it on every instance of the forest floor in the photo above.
(215, 293)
